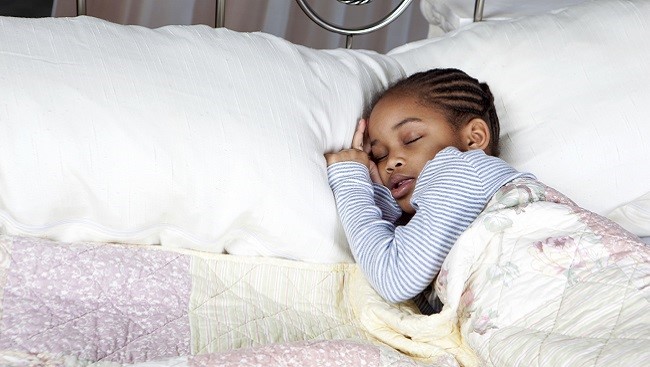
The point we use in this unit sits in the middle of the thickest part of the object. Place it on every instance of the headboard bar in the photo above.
(220, 16)
(478, 10)
(81, 7)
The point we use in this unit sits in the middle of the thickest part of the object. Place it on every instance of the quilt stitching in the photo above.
(599, 257)
(299, 324)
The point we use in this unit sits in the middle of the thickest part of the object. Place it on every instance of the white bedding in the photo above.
(188, 137)
(449, 15)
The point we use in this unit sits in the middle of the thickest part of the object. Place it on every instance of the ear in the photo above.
(476, 134)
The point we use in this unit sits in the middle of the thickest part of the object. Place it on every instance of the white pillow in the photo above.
(185, 136)
(572, 92)
(635, 216)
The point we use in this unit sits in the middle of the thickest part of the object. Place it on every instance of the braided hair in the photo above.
(458, 96)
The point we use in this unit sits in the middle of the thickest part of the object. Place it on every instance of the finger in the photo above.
(357, 139)
(366, 139)
(374, 173)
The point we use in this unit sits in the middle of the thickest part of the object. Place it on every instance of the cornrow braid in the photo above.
(457, 95)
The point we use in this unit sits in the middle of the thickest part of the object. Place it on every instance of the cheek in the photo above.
(428, 155)
(418, 161)
(381, 168)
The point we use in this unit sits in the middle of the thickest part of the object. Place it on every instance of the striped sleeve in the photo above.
(390, 210)
(400, 262)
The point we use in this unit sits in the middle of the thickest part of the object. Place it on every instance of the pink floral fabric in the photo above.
(96, 301)
(317, 353)
(299, 354)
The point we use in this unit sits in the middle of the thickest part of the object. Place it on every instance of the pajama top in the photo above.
(401, 261)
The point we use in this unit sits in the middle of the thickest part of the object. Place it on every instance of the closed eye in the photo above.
(413, 140)
(376, 159)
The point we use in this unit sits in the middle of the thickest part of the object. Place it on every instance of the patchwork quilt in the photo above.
(103, 304)
(535, 281)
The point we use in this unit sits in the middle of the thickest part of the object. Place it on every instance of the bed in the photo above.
(164, 199)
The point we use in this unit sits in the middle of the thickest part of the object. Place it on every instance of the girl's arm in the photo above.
(400, 262)
(384, 200)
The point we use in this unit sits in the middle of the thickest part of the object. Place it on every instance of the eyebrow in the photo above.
(398, 125)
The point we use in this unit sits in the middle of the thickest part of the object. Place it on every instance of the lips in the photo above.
(400, 186)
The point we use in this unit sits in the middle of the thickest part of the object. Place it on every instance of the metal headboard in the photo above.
(478, 10)
(81, 7)
(220, 15)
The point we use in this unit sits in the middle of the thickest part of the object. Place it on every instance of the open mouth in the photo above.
(401, 187)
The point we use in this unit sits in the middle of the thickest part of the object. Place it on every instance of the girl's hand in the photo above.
(347, 155)
(358, 153)
(360, 141)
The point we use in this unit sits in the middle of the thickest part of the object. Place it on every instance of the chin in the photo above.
(405, 204)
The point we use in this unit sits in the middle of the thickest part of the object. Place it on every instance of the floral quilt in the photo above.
(537, 281)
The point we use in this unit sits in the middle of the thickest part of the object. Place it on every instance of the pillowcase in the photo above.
(449, 15)
(635, 216)
(185, 136)
(571, 90)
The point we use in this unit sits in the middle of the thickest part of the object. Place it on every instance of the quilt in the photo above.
(106, 304)
(535, 281)
(538, 281)
(296, 354)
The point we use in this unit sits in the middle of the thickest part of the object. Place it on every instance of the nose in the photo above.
(394, 162)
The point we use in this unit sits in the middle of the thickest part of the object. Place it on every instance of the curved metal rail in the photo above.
(349, 32)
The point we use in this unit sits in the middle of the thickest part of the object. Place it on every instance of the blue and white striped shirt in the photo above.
(401, 261)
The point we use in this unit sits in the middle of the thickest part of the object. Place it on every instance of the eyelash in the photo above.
(379, 159)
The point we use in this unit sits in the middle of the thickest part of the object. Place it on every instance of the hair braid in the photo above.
(493, 120)
(457, 95)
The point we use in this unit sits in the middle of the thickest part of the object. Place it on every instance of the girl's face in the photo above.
(404, 135)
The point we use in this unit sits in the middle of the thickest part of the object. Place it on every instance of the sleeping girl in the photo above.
(422, 166)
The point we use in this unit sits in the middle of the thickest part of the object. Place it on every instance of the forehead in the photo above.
(394, 112)
(390, 107)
